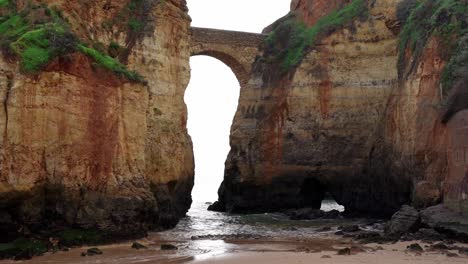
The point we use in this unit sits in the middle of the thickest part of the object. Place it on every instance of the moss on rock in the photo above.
(38, 41)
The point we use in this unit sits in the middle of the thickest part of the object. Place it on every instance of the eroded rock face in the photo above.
(312, 131)
(352, 121)
(81, 147)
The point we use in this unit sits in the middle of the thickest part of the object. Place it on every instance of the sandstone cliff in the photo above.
(345, 115)
(84, 147)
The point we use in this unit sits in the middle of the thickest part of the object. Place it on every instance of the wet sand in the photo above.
(390, 254)
(258, 251)
(210, 237)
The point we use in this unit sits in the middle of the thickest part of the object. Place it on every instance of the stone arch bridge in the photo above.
(237, 50)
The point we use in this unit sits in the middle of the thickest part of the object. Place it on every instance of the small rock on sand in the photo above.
(463, 251)
(168, 247)
(350, 229)
(137, 245)
(452, 255)
(439, 246)
(326, 256)
(344, 251)
(415, 247)
(91, 252)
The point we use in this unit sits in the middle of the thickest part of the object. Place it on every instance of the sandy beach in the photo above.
(394, 254)
(319, 250)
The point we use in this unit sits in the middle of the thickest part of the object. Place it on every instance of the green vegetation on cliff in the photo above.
(39, 34)
(4, 3)
(291, 39)
(111, 64)
(447, 20)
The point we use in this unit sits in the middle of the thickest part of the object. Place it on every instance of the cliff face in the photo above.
(344, 120)
(83, 147)
(311, 131)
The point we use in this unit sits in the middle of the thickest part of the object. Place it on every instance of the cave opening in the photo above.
(314, 194)
(212, 97)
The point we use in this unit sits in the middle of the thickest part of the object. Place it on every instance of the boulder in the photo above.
(310, 214)
(426, 234)
(404, 221)
(447, 222)
(216, 207)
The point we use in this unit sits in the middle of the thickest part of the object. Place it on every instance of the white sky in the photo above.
(213, 92)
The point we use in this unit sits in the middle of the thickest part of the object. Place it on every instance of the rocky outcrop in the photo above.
(354, 114)
(83, 147)
(446, 221)
(404, 221)
(311, 132)
(418, 140)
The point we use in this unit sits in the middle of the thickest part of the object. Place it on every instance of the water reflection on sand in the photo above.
(203, 235)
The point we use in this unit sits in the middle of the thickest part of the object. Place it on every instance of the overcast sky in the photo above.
(213, 93)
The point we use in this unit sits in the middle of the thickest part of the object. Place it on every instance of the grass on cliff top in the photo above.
(35, 43)
(445, 19)
(38, 43)
(111, 64)
(4, 3)
(300, 37)
(38, 47)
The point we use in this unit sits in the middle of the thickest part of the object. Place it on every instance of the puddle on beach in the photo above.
(204, 234)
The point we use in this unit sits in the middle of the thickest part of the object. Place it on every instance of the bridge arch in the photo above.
(237, 50)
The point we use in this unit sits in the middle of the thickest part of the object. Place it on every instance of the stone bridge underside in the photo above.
(236, 49)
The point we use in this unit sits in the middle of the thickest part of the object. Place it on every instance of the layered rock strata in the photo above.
(83, 147)
(311, 132)
(350, 120)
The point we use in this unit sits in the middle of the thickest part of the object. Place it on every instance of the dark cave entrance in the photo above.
(314, 194)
